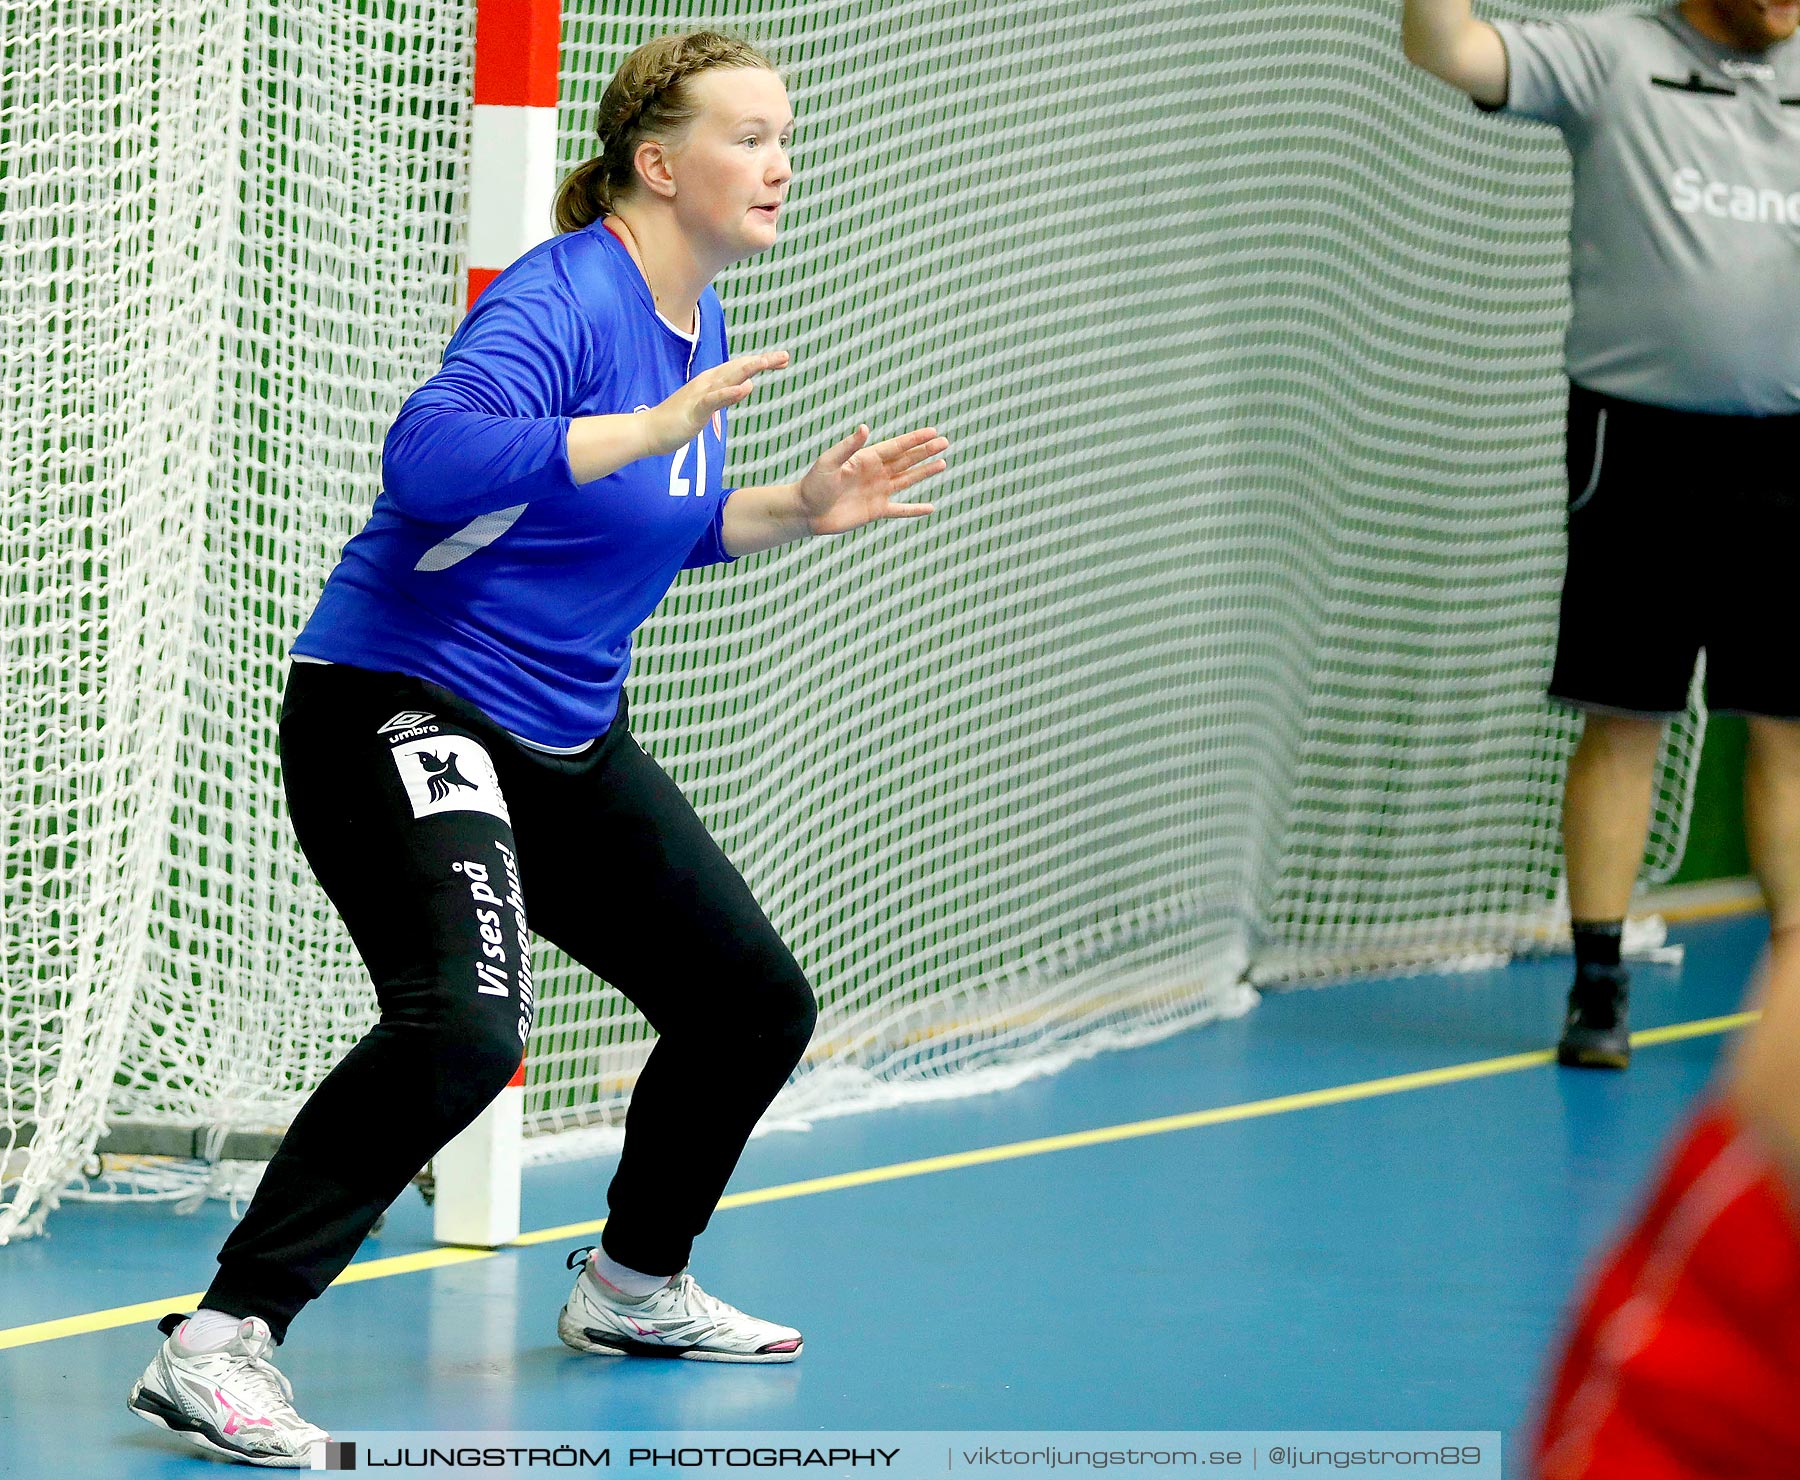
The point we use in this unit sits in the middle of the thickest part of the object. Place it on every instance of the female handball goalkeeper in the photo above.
(457, 757)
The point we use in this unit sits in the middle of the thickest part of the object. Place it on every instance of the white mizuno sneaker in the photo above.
(231, 1401)
(678, 1319)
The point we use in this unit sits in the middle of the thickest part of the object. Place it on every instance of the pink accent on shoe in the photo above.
(238, 1420)
(783, 1346)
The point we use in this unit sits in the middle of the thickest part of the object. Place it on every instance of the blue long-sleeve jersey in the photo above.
(485, 567)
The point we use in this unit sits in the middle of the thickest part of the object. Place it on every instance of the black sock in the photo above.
(1597, 945)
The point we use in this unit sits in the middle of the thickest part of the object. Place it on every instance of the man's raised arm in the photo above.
(1444, 38)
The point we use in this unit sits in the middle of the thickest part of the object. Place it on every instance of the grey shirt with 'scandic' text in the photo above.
(1685, 268)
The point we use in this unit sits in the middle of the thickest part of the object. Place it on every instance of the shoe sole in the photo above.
(153, 1407)
(603, 1344)
(1593, 1058)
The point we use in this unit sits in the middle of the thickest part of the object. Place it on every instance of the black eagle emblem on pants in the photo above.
(443, 774)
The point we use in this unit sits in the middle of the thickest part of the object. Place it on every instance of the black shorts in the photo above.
(1684, 535)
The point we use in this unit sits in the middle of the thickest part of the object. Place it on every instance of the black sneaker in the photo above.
(1596, 1034)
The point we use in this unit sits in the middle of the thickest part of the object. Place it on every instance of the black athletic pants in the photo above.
(433, 831)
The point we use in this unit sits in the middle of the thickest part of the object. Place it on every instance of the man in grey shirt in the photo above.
(1683, 124)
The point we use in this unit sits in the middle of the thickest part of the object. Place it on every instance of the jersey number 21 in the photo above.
(680, 487)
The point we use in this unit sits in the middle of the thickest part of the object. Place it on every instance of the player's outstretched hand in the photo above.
(679, 419)
(854, 484)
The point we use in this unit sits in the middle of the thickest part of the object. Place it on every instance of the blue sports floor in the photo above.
(1391, 1260)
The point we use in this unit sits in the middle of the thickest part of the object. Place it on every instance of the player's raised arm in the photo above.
(1444, 38)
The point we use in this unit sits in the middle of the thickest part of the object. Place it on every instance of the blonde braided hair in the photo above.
(648, 98)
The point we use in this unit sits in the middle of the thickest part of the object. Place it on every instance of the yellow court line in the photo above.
(374, 1269)
(1700, 1028)
(988, 1155)
(155, 1310)
(380, 1269)
(100, 1320)
(1711, 910)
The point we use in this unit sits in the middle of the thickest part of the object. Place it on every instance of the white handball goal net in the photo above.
(1224, 653)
